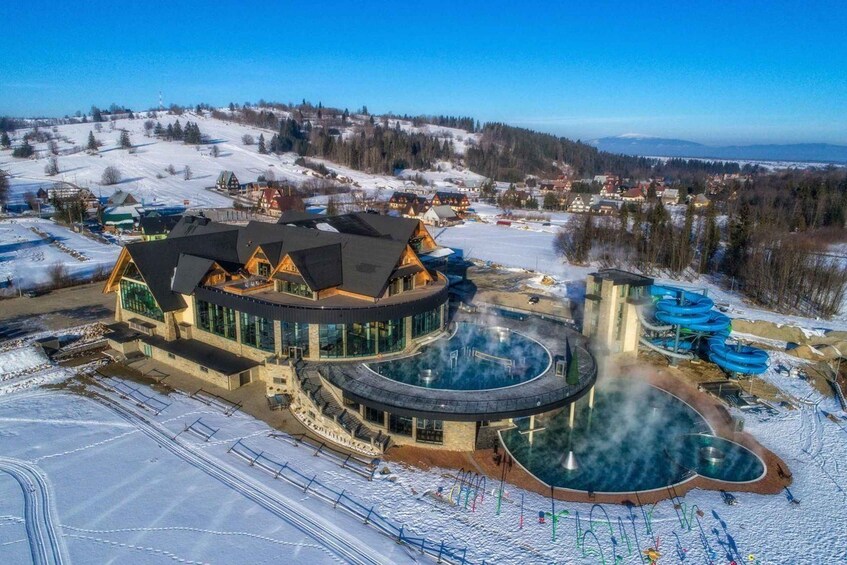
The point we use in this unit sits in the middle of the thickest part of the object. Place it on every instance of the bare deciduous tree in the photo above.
(51, 169)
(111, 175)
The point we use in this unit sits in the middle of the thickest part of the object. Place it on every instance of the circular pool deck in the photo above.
(541, 394)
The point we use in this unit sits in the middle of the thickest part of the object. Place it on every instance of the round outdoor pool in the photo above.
(473, 358)
(636, 438)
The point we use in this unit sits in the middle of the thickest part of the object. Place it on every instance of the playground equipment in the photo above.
(467, 488)
(683, 323)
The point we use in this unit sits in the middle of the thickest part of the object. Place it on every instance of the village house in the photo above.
(634, 195)
(670, 196)
(65, 191)
(121, 198)
(607, 207)
(228, 181)
(610, 191)
(402, 200)
(575, 203)
(700, 201)
(459, 202)
(273, 201)
(415, 210)
(440, 216)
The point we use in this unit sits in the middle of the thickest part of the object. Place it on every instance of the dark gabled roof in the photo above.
(320, 267)
(197, 225)
(294, 216)
(119, 198)
(155, 225)
(456, 196)
(225, 177)
(346, 223)
(357, 223)
(190, 270)
(398, 229)
(367, 256)
(357, 263)
(158, 260)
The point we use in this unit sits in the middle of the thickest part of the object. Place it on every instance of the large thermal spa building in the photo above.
(341, 316)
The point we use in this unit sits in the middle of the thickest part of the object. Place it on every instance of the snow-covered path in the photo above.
(46, 546)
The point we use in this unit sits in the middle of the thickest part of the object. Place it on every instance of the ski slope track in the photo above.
(45, 544)
(347, 547)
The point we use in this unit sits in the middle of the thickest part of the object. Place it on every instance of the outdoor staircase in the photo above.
(312, 384)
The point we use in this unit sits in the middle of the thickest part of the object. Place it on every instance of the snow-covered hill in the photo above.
(144, 170)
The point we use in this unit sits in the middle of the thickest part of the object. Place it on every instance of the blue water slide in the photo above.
(668, 343)
(692, 312)
(738, 358)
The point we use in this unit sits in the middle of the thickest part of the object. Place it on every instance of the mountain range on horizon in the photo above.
(648, 146)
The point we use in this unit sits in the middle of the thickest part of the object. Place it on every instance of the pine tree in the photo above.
(92, 143)
(5, 141)
(735, 258)
(177, 131)
(170, 132)
(125, 141)
(682, 246)
(262, 148)
(711, 241)
(158, 130)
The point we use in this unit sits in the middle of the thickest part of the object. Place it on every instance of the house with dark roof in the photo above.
(275, 201)
(228, 181)
(121, 198)
(402, 200)
(456, 200)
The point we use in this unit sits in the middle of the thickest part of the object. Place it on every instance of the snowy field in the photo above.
(529, 245)
(122, 484)
(30, 247)
(144, 171)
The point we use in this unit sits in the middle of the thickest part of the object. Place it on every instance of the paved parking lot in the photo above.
(60, 309)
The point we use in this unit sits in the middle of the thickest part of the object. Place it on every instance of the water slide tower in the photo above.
(610, 318)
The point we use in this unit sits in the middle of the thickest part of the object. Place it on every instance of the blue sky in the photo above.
(714, 72)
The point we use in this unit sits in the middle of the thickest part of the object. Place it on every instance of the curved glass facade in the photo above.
(426, 322)
(308, 340)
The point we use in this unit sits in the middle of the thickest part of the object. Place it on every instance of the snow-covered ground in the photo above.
(125, 485)
(144, 171)
(529, 245)
(26, 257)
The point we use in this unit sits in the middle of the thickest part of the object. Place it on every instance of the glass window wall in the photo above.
(361, 339)
(332, 340)
(392, 336)
(295, 335)
(426, 322)
(215, 319)
(257, 332)
(136, 297)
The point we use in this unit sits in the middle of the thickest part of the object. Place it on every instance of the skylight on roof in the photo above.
(323, 226)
